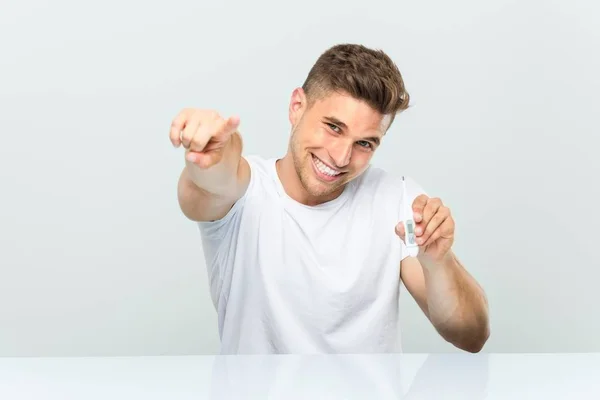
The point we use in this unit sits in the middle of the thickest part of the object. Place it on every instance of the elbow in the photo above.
(478, 332)
(475, 341)
(468, 337)
(475, 346)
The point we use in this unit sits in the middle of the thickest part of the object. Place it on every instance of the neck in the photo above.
(293, 186)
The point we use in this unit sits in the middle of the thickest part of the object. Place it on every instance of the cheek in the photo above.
(361, 158)
(316, 138)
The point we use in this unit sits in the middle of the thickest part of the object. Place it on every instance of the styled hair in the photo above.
(365, 74)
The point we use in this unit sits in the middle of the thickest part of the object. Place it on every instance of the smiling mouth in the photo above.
(324, 171)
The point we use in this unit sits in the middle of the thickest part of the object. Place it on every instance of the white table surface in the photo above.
(397, 376)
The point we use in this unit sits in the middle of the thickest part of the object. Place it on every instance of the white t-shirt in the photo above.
(289, 278)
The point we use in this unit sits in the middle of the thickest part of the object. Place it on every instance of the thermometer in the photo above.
(410, 239)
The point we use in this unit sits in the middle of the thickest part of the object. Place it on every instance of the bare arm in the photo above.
(208, 194)
(450, 298)
(215, 175)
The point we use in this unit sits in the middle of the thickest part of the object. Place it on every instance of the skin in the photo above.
(343, 133)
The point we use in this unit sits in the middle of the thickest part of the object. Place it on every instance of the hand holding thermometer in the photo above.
(409, 224)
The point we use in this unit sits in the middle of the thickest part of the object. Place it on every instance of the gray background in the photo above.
(95, 256)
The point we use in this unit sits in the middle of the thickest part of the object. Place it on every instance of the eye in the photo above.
(365, 144)
(333, 127)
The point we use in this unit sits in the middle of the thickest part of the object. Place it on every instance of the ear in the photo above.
(297, 105)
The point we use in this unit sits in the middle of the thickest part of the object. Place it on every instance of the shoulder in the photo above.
(258, 163)
(262, 174)
(381, 183)
(383, 192)
(260, 167)
(258, 187)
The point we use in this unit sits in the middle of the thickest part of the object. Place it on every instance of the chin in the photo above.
(317, 189)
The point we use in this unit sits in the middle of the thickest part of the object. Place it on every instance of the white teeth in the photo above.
(325, 169)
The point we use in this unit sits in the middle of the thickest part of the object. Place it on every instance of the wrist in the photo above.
(430, 263)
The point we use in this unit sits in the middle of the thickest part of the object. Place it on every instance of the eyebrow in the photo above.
(342, 125)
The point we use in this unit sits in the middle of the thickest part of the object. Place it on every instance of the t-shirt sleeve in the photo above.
(219, 235)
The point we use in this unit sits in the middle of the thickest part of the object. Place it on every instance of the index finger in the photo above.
(419, 206)
(230, 125)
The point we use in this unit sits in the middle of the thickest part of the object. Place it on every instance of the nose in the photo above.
(341, 153)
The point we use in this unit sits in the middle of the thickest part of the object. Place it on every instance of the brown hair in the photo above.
(366, 74)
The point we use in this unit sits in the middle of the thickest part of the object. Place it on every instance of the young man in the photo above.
(305, 254)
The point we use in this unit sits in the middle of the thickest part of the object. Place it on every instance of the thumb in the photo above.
(205, 159)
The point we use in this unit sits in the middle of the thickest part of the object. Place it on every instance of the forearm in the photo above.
(456, 304)
(207, 194)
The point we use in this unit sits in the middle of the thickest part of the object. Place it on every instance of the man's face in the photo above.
(333, 141)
